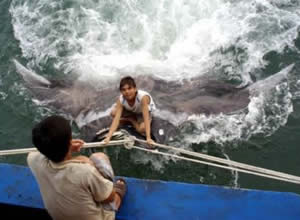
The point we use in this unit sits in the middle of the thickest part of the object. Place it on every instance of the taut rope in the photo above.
(129, 141)
(86, 145)
(234, 165)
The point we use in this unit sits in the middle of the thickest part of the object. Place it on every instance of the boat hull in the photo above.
(151, 199)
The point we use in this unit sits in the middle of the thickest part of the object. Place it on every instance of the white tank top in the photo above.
(137, 107)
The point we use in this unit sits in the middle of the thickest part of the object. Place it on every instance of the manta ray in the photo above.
(89, 106)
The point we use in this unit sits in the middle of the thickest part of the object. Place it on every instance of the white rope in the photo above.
(217, 165)
(86, 145)
(228, 162)
(231, 165)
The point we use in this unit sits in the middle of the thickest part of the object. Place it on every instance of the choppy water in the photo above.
(240, 41)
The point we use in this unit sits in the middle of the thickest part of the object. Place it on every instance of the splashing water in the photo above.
(167, 38)
(100, 41)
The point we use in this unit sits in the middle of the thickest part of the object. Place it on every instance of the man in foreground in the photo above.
(72, 187)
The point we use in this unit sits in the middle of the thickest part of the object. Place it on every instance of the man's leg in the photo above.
(103, 165)
(125, 117)
(139, 124)
(140, 127)
(136, 120)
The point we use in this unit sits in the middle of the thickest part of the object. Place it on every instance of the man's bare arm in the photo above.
(115, 122)
(146, 116)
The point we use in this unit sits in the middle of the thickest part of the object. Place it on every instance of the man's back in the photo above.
(72, 189)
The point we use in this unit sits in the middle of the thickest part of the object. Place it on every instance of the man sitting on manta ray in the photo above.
(133, 106)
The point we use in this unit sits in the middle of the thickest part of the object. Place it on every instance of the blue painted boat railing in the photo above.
(151, 200)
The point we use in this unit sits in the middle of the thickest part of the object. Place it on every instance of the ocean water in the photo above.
(240, 41)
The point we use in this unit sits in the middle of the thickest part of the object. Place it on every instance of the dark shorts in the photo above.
(129, 114)
(138, 116)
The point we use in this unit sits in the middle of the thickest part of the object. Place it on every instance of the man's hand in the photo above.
(106, 140)
(150, 142)
(76, 144)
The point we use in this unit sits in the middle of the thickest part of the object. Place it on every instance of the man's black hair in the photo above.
(52, 137)
(127, 80)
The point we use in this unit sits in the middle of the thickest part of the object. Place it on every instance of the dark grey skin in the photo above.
(197, 96)
(78, 99)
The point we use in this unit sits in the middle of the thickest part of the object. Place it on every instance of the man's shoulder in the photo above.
(33, 156)
(143, 92)
(35, 160)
